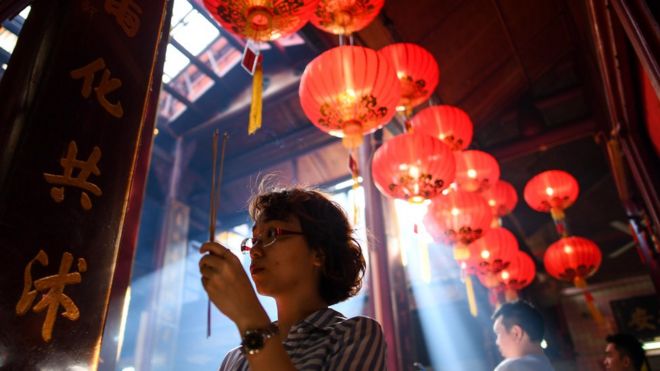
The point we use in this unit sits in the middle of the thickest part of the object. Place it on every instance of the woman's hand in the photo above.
(229, 288)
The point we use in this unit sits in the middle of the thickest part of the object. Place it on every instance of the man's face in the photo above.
(614, 360)
(506, 340)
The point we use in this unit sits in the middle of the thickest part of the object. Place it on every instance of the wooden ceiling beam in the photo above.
(486, 101)
(234, 116)
(295, 143)
(543, 141)
(181, 98)
(195, 61)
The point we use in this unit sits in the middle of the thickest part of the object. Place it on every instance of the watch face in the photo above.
(253, 340)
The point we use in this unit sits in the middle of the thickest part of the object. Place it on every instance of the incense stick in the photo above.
(212, 221)
(225, 137)
(212, 201)
(214, 204)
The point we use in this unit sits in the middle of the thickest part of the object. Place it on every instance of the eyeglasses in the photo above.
(268, 239)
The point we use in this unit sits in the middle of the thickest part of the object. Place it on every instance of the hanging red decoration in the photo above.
(458, 218)
(518, 275)
(551, 190)
(343, 17)
(417, 71)
(493, 252)
(413, 167)
(501, 197)
(489, 256)
(573, 259)
(261, 20)
(476, 170)
(447, 123)
(349, 91)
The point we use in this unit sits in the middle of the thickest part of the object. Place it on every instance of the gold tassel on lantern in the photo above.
(589, 299)
(461, 255)
(557, 214)
(559, 218)
(469, 289)
(461, 252)
(355, 175)
(257, 89)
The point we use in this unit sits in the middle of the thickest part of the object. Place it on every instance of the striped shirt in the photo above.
(326, 340)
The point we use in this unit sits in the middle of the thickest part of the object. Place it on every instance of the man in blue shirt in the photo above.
(519, 330)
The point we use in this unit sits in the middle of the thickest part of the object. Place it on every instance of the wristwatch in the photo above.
(254, 340)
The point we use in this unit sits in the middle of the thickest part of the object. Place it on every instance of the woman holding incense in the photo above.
(304, 255)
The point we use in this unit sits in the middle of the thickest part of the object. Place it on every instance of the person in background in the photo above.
(519, 330)
(624, 352)
(304, 255)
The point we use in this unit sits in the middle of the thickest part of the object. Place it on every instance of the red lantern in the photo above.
(261, 20)
(343, 17)
(447, 123)
(413, 167)
(553, 189)
(572, 258)
(417, 71)
(476, 170)
(493, 252)
(458, 219)
(501, 197)
(349, 91)
(518, 275)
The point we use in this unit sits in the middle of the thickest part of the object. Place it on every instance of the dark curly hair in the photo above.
(326, 230)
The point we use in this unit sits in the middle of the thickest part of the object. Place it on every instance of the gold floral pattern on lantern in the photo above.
(570, 274)
(454, 143)
(367, 110)
(412, 90)
(342, 17)
(410, 188)
(413, 167)
(464, 235)
(261, 23)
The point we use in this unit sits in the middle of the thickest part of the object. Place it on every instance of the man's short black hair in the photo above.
(523, 314)
(629, 346)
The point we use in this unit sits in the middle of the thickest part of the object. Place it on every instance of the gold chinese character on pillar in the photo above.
(70, 163)
(52, 290)
(127, 13)
(106, 86)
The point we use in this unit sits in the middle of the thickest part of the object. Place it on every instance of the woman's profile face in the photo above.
(287, 265)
